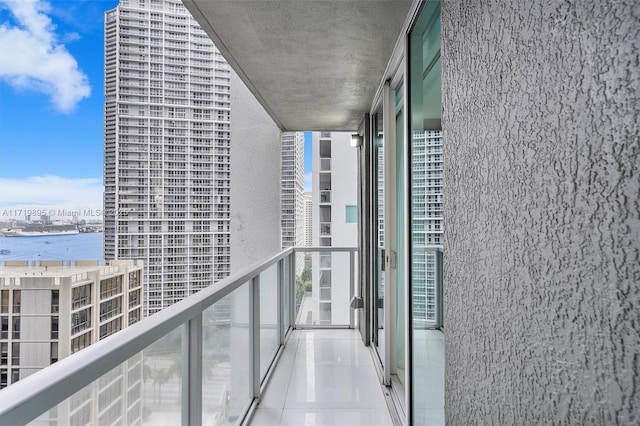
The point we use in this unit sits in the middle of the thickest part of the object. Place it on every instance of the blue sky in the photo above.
(51, 103)
(51, 72)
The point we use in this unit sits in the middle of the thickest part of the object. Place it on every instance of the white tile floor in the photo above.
(324, 377)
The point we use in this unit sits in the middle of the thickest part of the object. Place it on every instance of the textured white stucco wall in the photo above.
(255, 180)
(542, 209)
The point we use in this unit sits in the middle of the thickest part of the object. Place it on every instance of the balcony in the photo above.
(246, 350)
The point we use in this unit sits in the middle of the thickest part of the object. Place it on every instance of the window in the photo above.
(16, 327)
(55, 301)
(15, 353)
(80, 321)
(325, 313)
(81, 342)
(351, 214)
(4, 353)
(4, 304)
(54, 327)
(134, 298)
(110, 286)
(4, 327)
(110, 308)
(54, 352)
(16, 301)
(325, 260)
(80, 296)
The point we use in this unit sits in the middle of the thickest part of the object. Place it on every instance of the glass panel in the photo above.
(303, 281)
(4, 301)
(325, 164)
(268, 318)
(145, 389)
(378, 191)
(400, 224)
(351, 214)
(162, 369)
(323, 291)
(325, 196)
(427, 370)
(17, 301)
(286, 296)
(225, 358)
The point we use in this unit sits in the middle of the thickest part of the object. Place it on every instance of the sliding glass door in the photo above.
(378, 336)
(407, 245)
(426, 231)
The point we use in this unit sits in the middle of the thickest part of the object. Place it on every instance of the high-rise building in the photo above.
(292, 193)
(51, 310)
(308, 219)
(427, 227)
(335, 223)
(292, 189)
(167, 149)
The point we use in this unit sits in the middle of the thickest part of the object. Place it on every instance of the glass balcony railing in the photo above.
(203, 360)
(325, 286)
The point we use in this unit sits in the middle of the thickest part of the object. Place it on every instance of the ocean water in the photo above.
(58, 247)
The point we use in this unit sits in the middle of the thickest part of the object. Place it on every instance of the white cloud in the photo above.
(69, 37)
(308, 182)
(33, 58)
(53, 194)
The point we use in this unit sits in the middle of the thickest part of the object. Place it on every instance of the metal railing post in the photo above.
(254, 335)
(352, 281)
(280, 302)
(192, 371)
(292, 288)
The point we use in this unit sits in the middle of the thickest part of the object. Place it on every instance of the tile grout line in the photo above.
(286, 393)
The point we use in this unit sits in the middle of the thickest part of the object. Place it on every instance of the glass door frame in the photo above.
(400, 204)
(386, 99)
(377, 253)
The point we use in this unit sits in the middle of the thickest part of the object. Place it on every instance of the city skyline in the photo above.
(54, 119)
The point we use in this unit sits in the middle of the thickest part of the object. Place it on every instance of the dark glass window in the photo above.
(17, 300)
(54, 327)
(16, 327)
(55, 301)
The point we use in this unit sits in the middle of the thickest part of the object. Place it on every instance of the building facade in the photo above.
(426, 224)
(292, 189)
(53, 310)
(308, 219)
(167, 149)
(334, 223)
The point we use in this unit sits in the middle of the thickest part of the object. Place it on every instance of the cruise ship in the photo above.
(33, 230)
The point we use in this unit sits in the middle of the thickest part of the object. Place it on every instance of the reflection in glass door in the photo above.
(400, 225)
(378, 195)
(425, 153)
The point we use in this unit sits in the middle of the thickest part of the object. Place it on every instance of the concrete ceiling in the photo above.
(312, 64)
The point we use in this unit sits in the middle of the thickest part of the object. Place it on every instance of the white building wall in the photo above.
(330, 227)
(255, 177)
